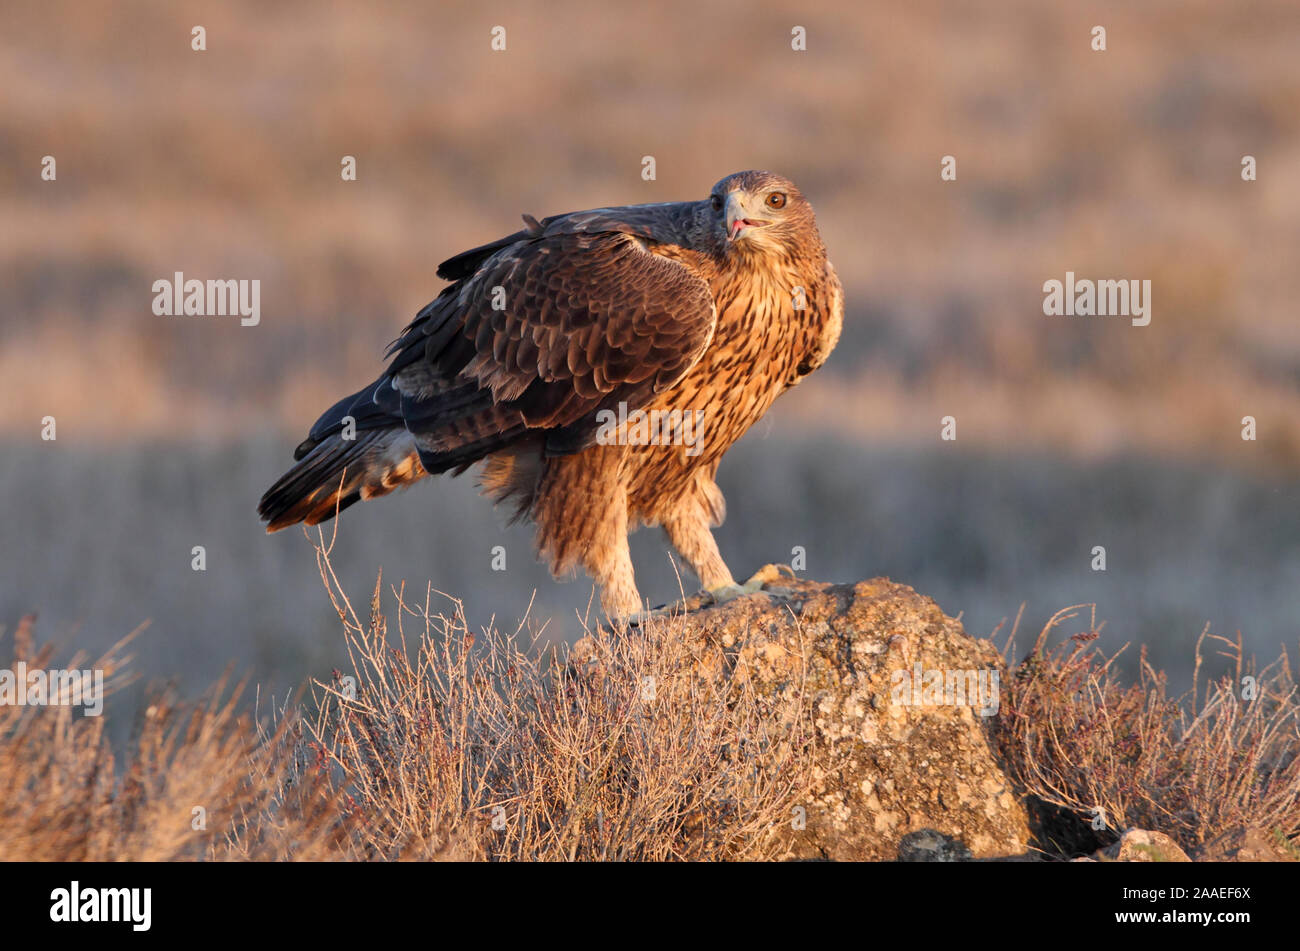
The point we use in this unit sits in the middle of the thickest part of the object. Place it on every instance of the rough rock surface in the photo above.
(895, 778)
(1141, 845)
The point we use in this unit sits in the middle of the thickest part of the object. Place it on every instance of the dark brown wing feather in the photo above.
(590, 319)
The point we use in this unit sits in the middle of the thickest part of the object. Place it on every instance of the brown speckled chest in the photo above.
(761, 347)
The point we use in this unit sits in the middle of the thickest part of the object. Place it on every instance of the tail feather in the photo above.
(336, 473)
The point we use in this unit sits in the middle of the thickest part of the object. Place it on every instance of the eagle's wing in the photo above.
(539, 332)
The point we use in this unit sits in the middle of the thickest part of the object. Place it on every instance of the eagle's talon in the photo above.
(724, 593)
(771, 573)
(671, 609)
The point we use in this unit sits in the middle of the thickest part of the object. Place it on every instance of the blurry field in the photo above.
(1071, 432)
(979, 532)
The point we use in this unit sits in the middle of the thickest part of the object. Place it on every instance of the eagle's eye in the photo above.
(776, 200)
(716, 202)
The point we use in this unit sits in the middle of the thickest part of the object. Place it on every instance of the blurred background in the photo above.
(1072, 432)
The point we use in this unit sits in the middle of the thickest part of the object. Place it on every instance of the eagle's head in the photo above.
(761, 213)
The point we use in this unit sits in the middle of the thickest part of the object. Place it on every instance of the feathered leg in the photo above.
(689, 532)
(689, 528)
(612, 570)
(581, 516)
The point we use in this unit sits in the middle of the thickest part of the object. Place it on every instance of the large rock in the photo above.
(1142, 845)
(904, 769)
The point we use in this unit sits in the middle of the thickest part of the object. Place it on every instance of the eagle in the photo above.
(597, 365)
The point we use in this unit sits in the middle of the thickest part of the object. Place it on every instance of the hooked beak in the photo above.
(738, 217)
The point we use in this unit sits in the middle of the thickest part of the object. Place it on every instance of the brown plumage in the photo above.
(527, 359)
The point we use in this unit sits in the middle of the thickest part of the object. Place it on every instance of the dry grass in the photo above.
(62, 796)
(1134, 757)
(480, 749)
(443, 743)
(477, 748)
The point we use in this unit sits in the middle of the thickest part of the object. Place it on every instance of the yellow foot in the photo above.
(764, 576)
(720, 595)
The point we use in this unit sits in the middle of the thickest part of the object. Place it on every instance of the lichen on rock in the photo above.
(902, 703)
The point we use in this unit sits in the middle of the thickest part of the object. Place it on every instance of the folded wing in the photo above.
(539, 332)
